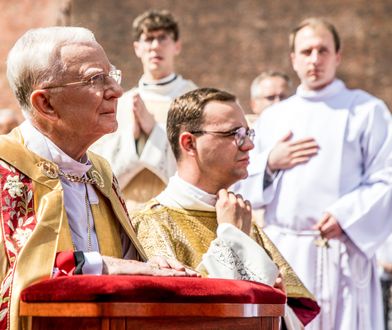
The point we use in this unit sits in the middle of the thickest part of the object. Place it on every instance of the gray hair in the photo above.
(254, 88)
(35, 59)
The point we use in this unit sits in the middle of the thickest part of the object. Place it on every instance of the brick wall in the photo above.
(226, 43)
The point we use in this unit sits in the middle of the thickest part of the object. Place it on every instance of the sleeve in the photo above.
(365, 212)
(157, 154)
(234, 255)
(68, 263)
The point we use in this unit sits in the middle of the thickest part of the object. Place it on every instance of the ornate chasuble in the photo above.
(186, 235)
(34, 225)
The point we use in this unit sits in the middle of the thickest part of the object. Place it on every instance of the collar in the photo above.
(330, 90)
(180, 193)
(161, 82)
(38, 143)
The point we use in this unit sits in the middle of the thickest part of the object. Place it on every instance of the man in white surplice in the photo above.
(322, 168)
(138, 151)
(196, 219)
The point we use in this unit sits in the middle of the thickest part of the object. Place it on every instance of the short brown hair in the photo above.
(153, 20)
(314, 22)
(186, 113)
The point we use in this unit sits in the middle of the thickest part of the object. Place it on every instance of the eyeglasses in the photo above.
(98, 80)
(239, 134)
(272, 98)
(160, 38)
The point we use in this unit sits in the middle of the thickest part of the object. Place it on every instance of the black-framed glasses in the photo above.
(98, 80)
(239, 133)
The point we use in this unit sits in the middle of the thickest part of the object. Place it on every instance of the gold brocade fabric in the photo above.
(186, 235)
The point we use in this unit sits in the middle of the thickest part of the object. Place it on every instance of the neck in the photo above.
(73, 146)
(197, 179)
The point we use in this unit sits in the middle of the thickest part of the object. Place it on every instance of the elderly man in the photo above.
(196, 219)
(56, 196)
(139, 151)
(267, 88)
(329, 213)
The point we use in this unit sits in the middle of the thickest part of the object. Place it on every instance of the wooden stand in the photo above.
(141, 316)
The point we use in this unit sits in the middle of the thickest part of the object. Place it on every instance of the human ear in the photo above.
(187, 143)
(178, 47)
(292, 58)
(137, 48)
(40, 100)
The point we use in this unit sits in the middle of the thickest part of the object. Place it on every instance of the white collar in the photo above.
(171, 77)
(182, 194)
(38, 143)
(330, 90)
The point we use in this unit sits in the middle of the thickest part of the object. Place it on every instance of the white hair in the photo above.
(35, 59)
(254, 88)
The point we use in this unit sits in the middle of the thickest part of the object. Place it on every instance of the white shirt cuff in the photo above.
(92, 263)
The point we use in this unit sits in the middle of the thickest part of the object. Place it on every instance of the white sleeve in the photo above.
(92, 263)
(365, 212)
(157, 154)
(234, 255)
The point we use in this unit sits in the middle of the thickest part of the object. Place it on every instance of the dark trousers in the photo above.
(386, 286)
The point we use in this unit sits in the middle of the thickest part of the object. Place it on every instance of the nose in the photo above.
(155, 43)
(314, 56)
(248, 144)
(113, 89)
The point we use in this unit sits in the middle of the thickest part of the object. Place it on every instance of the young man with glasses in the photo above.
(196, 219)
(139, 152)
(61, 210)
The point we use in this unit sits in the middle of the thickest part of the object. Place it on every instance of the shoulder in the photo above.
(368, 107)
(186, 85)
(276, 111)
(125, 100)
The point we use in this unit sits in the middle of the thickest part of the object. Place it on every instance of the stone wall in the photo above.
(226, 43)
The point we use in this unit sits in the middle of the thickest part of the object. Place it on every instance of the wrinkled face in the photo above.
(271, 90)
(85, 110)
(314, 58)
(157, 51)
(219, 157)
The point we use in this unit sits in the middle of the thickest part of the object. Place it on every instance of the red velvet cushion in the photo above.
(151, 289)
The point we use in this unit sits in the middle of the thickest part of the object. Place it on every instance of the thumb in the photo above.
(286, 137)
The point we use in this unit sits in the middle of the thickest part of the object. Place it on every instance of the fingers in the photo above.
(304, 152)
(329, 227)
(304, 141)
(321, 222)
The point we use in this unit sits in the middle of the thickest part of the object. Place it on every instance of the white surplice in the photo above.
(119, 147)
(350, 177)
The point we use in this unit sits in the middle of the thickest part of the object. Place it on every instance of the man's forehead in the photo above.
(217, 112)
(81, 56)
(155, 32)
(309, 35)
(271, 82)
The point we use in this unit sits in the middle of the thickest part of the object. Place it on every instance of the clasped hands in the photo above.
(144, 121)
